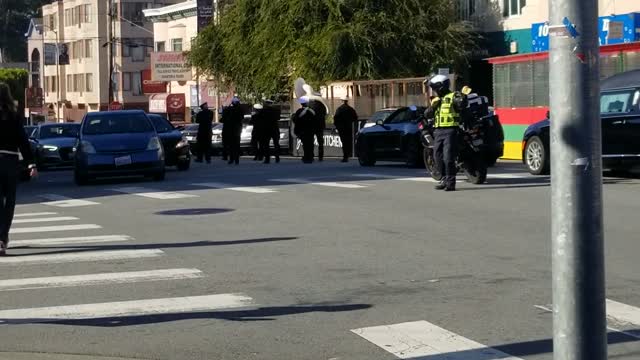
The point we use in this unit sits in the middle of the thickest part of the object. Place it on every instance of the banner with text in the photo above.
(170, 66)
(205, 13)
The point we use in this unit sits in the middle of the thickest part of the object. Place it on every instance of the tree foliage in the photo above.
(14, 22)
(17, 79)
(262, 45)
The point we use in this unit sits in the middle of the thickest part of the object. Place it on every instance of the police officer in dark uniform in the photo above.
(344, 119)
(259, 122)
(271, 132)
(320, 124)
(204, 118)
(304, 121)
(446, 110)
(232, 118)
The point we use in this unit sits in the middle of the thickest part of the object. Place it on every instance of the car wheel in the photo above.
(184, 165)
(80, 179)
(160, 176)
(430, 164)
(536, 157)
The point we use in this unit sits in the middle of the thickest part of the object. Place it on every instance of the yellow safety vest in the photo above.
(446, 115)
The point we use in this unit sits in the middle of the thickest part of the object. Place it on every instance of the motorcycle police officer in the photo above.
(446, 110)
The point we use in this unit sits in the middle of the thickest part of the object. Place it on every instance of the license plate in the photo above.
(123, 160)
(215, 137)
(478, 142)
(191, 138)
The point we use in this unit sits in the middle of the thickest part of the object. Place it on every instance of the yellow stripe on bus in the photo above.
(512, 150)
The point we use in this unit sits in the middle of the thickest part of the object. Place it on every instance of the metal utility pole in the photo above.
(111, 54)
(579, 313)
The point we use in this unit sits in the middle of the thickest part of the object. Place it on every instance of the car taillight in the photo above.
(421, 126)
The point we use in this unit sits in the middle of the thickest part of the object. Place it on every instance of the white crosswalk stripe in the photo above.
(65, 202)
(153, 194)
(126, 308)
(43, 229)
(99, 279)
(247, 189)
(342, 185)
(87, 256)
(45, 219)
(72, 240)
(421, 339)
(34, 214)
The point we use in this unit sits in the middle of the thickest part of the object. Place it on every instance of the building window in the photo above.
(69, 83)
(513, 7)
(137, 51)
(126, 48)
(133, 12)
(88, 48)
(78, 80)
(176, 44)
(136, 83)
(126, 81)
(160, 46)
(86, 13)
(149, 45)
(116, 82)
(88, 80)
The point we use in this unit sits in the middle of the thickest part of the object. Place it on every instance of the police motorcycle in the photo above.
(474, 155)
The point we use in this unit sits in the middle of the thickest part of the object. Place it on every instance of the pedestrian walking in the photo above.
(304, 121)
(320, 124)
(271, 132)
(344, 119)
(446, 110)
(232, 118)
(204, 118)
(13, 142)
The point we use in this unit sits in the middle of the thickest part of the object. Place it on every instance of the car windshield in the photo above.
(116, 124)
(59, 131)
(621, 101)
(381, 115)
(161, 124)
(193, 127)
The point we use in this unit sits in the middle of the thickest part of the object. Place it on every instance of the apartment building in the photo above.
(75, 75)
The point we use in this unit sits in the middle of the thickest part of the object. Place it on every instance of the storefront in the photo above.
(170, 105)
(521, 82)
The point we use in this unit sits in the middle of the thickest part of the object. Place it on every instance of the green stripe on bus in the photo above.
(514, 132)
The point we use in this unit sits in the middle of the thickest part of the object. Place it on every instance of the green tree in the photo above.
(262, 45)
(17, 79)
(14, 21)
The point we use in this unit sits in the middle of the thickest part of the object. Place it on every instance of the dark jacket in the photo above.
(205, 122)
(232, 117)
(273, 119)
(320, 115)
(345, 117)
(13, 138)
(259, 122)
(303, 121)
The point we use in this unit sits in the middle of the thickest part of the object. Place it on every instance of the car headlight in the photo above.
(182, 143)
(154, 144)
(283, 135)
(87, 147)
(50, 147)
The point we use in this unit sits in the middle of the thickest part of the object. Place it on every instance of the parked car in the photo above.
(381, 114)
(53, 144)
(394, 138)
(177, 151)
(118, 143)
(29, 129)
(620, 121)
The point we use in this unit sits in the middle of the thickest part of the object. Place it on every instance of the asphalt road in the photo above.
(292, 261)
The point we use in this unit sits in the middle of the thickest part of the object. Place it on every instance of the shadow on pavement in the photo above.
(259, 314)
(86, 248)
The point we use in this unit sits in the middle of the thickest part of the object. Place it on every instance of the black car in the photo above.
(620, 121)
(53, 144)
(177, 150)
(396, 138)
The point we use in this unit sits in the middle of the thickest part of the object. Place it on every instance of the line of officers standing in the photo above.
(309, 125)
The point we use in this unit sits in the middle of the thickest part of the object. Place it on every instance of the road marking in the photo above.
(618, 313)
(65, 202)
(34, 214)
(99, 279)
(126, 308)
(398, 178)
(72, 240)
(413, 340)
(81, 256)
(380, 176)
(153, 194)
(419, 179)
(248, 189)
(326, 184)
(514, 176)
(48, 219)
(40, 229)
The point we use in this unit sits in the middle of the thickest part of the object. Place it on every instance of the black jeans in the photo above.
(264, 145)
(8, 184)
(445, 152)
(346, 138)
(319, 135)
(234, 148)
(203, 149)
(307, 147)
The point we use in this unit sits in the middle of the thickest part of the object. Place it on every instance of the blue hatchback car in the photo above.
(118, 143)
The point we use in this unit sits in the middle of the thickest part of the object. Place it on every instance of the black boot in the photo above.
(441, 186)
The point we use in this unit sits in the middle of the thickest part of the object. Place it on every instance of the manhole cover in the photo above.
(194, 212)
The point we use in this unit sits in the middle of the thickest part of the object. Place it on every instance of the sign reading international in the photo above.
(170, 66)
(205, 13)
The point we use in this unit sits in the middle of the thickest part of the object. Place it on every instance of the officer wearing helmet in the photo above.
(446, 111)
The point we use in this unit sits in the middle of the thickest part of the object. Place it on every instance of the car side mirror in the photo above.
(380, 122)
